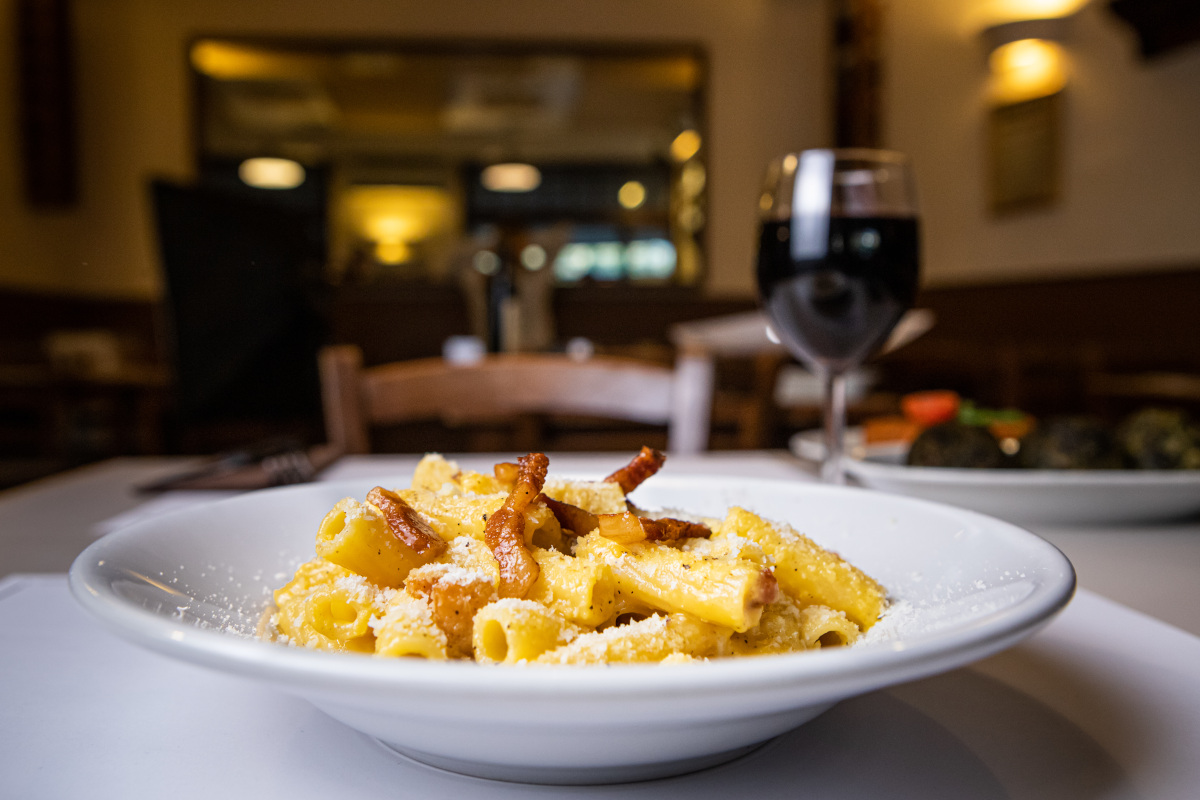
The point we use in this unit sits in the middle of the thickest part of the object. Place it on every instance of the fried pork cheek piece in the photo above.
(505, 529)
(629, 528)
(634, 474)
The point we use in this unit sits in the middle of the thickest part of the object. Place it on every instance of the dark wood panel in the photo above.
(1031, 344)
(1035, 344)
(1153, 317)
(45, 59)
(1162, 26)
(27, 316)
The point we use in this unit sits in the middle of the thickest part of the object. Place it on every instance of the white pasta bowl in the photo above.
(194, 585)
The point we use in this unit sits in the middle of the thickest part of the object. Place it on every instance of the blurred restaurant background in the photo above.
(198, 196)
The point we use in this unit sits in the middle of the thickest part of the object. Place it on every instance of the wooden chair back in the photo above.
(357, 397)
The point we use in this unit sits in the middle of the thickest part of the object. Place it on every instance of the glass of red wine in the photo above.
(838, 265)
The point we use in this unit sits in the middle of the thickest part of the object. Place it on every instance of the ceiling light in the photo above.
(533, 257)
(271, 173)
(631, 195)
(486, 262)
(511, 177)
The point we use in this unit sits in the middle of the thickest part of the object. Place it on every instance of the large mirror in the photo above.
(438, 162)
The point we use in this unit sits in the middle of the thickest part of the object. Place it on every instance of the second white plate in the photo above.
(1065, 497)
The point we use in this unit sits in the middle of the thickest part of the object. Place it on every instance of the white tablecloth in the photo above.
(1103, 703)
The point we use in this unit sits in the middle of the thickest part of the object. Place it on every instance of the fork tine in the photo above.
(287, 468)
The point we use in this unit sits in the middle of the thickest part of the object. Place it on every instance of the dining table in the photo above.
(1103, 702)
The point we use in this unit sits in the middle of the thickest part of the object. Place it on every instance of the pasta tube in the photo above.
(597, 497)
(408, 629)
(807, 572)
(473, 555)
(434, 473)
(579, 589)
(360, 538)
(821, 626)
(512, 630)
(726, 592)
(786, 626)
(651, 639)
(329, 608)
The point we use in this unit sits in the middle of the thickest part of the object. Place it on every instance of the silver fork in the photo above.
(293, 466)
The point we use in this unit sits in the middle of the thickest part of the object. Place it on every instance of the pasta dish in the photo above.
(515, 567)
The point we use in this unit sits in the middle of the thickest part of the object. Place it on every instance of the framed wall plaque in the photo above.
(1023, 154)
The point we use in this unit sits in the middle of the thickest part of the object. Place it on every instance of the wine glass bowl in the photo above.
(838, 263)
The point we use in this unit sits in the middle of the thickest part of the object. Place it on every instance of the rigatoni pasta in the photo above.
(516, 568)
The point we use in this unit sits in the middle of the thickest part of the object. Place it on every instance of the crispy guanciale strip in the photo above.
(573, 519)
(766, 590)
(505, 529)
(506, 472)
(669, 529)
(643, 465)
(453, 600)
(629, 528)
(404, 523)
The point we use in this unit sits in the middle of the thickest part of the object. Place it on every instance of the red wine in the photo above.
(832, 309)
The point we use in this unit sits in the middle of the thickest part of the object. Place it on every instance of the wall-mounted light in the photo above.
(1027, 74)
(271, 173)
(394, 220)
(511, 177)
(1026, 58)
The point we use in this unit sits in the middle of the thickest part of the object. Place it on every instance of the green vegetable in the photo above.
(970, 414)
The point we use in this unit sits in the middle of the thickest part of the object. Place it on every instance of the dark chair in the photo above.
(244, 314)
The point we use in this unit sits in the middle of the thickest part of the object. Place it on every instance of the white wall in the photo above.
(1131, 151)
(768, 62)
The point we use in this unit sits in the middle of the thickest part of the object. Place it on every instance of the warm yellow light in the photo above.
(511, 177)
(1000, 11)
(631, 195)
(393, 218)
(686, 145)
(692, 178)
(271, 173)
(228, 61)
(1027, 69)
(392, 252)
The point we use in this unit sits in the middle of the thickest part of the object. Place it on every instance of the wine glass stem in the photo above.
(835, 428)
